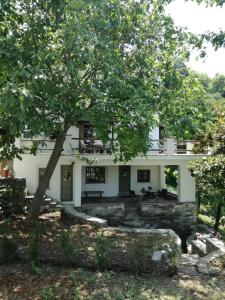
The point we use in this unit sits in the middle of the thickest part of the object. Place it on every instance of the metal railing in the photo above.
(97, 146)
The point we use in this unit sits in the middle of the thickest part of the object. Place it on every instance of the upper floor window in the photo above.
(143, 176)
(95, 174)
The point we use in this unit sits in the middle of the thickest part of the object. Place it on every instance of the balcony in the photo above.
(96, 146)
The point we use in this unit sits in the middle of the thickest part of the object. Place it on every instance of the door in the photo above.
(66, 183)
(124, 179)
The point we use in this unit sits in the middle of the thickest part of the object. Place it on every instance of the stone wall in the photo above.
(180, 216)
(113, 212)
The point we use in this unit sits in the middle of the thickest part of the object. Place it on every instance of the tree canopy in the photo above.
(210, 171)
(112, 62)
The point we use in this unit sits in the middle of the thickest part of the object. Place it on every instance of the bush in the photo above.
(12, 196)
(47, 293)
(34, 246)
(66, 245)
(103, 252)
(8, 244)
(139, 252)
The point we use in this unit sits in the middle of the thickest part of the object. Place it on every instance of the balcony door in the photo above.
(66, 183)
(124, 179)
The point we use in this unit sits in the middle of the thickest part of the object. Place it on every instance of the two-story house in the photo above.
(75, 180)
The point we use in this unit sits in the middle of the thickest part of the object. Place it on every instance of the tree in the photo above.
(192, 110)
(107, 60)
(218, 84)
(210, 172)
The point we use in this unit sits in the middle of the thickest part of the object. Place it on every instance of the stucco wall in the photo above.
(28, 168)
(186, 186)
(154, 178)
(111, 185)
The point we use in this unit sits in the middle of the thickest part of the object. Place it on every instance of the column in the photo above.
(186, 184)
(162, 177)
(169, 146)
(77, 175)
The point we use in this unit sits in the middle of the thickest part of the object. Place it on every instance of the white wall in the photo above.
(111, 185)
(186, 184)
(154, 178)
(28, 168)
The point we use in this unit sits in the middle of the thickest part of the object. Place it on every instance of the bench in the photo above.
(93, 193)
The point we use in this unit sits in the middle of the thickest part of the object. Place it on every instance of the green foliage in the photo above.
(11, 201)
(34, 247)
(171, 176)
(210, 171)
(47, 293)
(140, 252)
(8, 244)
(102, 252)
(113, 59)
(67, 247)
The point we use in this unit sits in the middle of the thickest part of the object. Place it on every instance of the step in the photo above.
(214, 244)
(134, 223)
(198, 247)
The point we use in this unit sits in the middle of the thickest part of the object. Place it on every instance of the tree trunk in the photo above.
(43, 184)
(218, 215)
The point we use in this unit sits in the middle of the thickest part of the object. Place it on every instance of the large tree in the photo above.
(110, 61)
(210, 171)
(105, 60)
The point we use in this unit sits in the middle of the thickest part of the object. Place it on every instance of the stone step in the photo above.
(214, 244)
(198, 247)
(188, 264)
(134, 223)
(189, 259)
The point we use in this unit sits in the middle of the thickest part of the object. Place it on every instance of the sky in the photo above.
(198, 19)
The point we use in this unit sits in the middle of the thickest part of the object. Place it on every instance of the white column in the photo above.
(170, 146)
(77, 168)
(162, 177)
(186, 184)
(17, 143)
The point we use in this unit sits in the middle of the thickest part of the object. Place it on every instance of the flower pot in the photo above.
(5, 172)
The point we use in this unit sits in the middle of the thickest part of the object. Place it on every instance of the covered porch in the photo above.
(113, 183)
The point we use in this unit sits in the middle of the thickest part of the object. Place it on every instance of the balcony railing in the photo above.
(96, 146)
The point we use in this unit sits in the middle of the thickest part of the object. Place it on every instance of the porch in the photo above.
(113, 183)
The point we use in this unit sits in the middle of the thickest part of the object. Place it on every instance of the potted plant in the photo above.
(5, 171)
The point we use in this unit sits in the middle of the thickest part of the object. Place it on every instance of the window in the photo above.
(40, 175)
(143, 175)
(88, 131)
(95, 174)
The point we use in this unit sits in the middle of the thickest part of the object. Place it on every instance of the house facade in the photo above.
(76, 179)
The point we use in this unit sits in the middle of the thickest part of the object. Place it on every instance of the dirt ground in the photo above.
(20, 281)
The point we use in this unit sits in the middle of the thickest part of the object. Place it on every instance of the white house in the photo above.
(73, 177)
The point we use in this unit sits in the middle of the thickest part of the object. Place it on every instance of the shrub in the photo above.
(139, 252)
(34, 246)
(102, 252)
(47, 293)
(12, 196)
(66, 245)
(8, 244)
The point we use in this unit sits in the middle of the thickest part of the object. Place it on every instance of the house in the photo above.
(74, 180)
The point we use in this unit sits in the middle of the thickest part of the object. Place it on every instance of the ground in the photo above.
(20, 280)
(17, 282)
